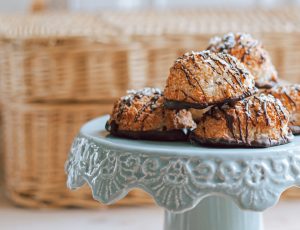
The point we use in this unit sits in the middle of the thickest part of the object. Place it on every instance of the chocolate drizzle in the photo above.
(188, 74)
(267, 118)
(246, 52)
(230, 41)
(132, 95)
(248, 123)
(289, 98)
(232, 86)
(149, 104)
(239, 125)
(187, 96)
(237, 71)
(229, 122)
(251, 53)
(247, 116)
(228, 71)
(288, 93)
(282, 109)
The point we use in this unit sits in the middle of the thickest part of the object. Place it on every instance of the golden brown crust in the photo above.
(251, 53)
(201, 79)
(289, 95)
(142, 111)
(257, 121)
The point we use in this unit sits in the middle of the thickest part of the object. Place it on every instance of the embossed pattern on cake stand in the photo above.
(240, 182)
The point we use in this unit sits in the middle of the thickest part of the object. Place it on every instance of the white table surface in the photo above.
(285, 216)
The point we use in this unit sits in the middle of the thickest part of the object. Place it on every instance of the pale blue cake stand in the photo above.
(200, 188)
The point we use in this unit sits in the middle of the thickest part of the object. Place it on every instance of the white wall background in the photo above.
(93, 5)
(14, 5)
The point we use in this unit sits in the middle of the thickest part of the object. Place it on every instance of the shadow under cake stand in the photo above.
(200, 188)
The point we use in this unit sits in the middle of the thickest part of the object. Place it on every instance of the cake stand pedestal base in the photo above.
(214, 213)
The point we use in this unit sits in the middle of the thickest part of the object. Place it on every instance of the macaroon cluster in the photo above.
(227, 95)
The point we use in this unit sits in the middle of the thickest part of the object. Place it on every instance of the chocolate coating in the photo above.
(166, 135)
(251, 53)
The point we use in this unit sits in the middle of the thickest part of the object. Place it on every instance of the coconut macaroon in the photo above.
(200, 79)
(289, 95)
(257, 121)
(141, 115)
(251, 53)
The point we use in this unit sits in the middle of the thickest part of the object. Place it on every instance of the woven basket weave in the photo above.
(57, 58)
(37, 141)
(279, 30)
(80, 57)
(49, 73)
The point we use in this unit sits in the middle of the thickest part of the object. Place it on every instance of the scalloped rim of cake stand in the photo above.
(179, 175)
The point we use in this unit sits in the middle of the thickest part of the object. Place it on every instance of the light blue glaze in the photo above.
(179, 175)
(214, 213)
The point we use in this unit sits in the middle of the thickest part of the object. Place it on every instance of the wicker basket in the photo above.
(60, 69)
(66, 57)
(191, 29)
(37, 140)
(105, 54)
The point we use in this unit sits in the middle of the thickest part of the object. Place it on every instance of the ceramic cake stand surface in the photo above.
(200, 188)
